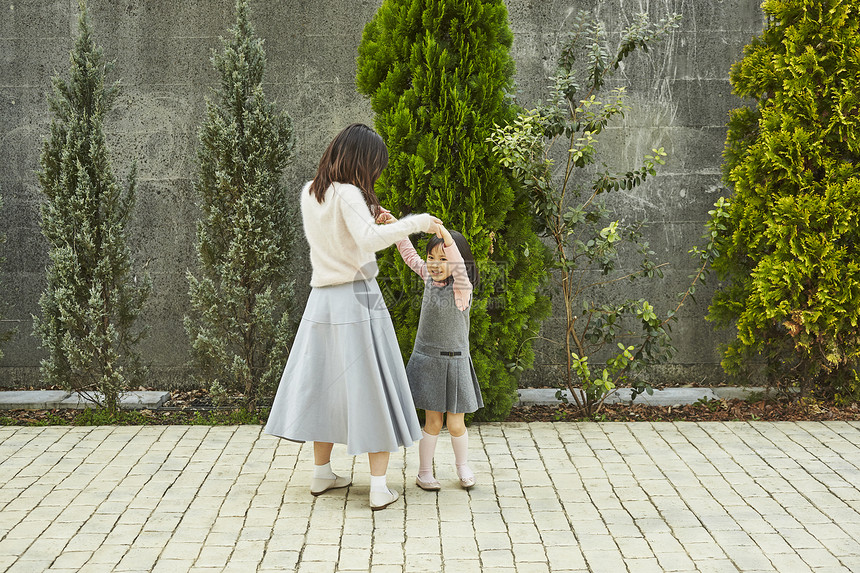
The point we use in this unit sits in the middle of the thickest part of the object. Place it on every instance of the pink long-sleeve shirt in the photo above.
(462, 285)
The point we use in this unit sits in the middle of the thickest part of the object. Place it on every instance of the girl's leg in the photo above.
(456, 424)
(426, 449)
(380, 495)
(432, 422)
(325, 479)
(460, 444)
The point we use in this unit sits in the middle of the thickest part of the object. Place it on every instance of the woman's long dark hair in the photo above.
(357, 155)
(465, 252)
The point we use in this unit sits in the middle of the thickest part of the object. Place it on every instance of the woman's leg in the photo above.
(325, 479)
(378, 463)
(426, 449)
(460, 444)
(380, 496)
(322, 453)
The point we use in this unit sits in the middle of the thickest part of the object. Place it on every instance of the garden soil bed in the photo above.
(199, 407)
(711, 411)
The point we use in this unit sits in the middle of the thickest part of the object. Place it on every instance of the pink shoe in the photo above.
(429, 485)
(467, 482)
(467, 478)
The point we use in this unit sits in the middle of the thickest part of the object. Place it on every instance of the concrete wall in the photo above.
(680, 98)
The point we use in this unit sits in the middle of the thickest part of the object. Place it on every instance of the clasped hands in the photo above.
(437, 229)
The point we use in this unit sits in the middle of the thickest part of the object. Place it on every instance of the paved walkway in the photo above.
(612, 497)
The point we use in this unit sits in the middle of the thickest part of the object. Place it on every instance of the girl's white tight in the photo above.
(461, 455)
(427, 449)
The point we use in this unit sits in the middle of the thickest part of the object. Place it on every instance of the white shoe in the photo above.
(382, 499)
(322, 485)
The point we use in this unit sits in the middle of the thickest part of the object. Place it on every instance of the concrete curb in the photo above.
(667, 397)
(152, 400)
(31, 399)
(53, 399)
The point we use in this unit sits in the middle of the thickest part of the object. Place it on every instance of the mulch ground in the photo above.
(710, 411)
(198, 407)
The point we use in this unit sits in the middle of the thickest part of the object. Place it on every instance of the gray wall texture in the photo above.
(679, 94)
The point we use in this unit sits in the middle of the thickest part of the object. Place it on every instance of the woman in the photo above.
(344, 381)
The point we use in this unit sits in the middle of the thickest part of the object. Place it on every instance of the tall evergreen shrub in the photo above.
(92, 298)
(437, 73)
(4, 334)
(239, 322)
(789, 248)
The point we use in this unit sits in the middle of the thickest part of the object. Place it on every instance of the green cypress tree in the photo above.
(4, 334)
(239, 326)
(92, 299)
(437, 73)
(789, 240)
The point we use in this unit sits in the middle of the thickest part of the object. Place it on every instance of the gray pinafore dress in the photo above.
(440, 371)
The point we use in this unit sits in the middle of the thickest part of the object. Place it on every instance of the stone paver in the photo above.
(552, 497)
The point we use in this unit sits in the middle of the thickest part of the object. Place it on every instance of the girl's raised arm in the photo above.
(412, 258)
(462, 284)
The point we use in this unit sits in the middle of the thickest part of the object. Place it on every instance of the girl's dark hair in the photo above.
(465, 252)
(357, 155)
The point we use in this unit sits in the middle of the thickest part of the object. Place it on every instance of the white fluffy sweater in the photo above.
(344, 237)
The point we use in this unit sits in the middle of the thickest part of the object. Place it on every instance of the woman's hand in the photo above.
(436, 228)
(385, 217)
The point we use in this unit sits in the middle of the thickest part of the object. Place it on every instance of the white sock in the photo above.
(461, 455)
(378, 483)
(426, 447)
(324, 471)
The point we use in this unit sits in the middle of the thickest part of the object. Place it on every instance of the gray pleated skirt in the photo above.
(443, 383)
(344, 381)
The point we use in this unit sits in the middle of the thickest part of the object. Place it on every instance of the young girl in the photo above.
(440, 371)
(344, 381)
